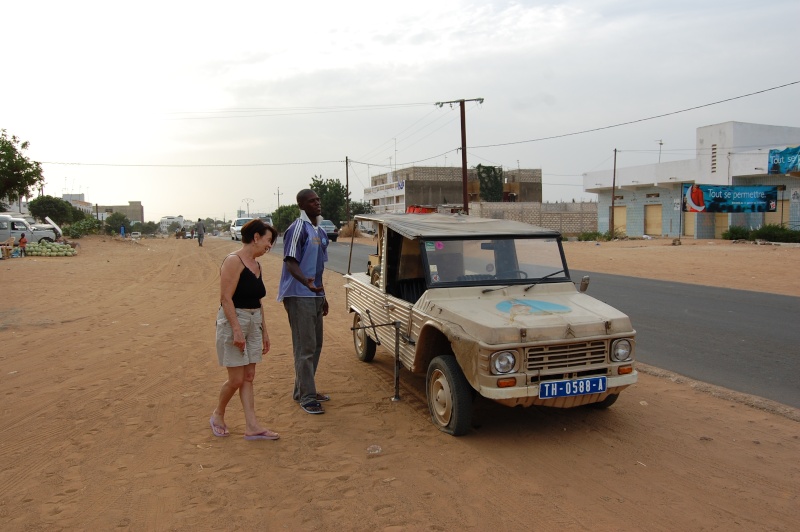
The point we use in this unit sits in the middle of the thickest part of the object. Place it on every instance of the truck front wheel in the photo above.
(365, 346)
(605, 403)
(449, 396)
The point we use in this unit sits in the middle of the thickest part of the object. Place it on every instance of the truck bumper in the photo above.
(529, 395)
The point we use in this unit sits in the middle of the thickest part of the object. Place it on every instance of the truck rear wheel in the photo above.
(365, 346)
(449, 396)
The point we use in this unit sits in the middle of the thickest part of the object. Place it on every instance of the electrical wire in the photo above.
(638, 120)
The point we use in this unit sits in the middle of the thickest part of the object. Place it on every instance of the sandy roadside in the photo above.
(109, 376)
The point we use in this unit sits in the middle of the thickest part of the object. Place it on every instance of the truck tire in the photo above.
(365, 346)
(449, 396)
(605, 403)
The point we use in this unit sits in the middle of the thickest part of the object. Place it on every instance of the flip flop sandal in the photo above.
(313, 408)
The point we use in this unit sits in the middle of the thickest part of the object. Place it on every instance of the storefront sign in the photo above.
(716, 198)
(784, 161)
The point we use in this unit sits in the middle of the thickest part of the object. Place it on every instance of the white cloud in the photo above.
(144, 83)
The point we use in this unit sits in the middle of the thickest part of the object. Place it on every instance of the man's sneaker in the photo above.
(313, 407)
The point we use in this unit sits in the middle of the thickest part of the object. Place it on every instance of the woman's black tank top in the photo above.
(250, 289)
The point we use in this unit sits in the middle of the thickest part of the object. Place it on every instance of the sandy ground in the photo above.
(109, 376)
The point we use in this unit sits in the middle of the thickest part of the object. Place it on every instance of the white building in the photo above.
(166, 221)
(79, 202)
(647, 199)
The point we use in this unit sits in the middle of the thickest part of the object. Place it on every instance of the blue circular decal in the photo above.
(533, 306)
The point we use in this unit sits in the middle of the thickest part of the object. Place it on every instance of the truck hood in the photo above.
(547, 312)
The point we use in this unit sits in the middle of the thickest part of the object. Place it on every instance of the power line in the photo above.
(288, 111)
(435, 156)
(192, 165)
(638, 120)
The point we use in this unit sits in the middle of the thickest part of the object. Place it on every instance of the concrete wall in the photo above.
(568, 218)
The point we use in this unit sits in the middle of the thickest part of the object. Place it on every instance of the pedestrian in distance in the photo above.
(23, 245)
(242, 336)
(201, 231)
(305, 251)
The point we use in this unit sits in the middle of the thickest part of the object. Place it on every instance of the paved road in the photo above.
(745, 341)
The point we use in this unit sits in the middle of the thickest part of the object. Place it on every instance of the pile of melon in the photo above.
(50, 249)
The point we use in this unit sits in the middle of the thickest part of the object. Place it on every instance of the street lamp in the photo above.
(248, 201)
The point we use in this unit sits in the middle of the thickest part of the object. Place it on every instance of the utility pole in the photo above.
(613, 193)
(279, 196)
(347, 189)
(248, 201)
(660, 143)
(462, 104)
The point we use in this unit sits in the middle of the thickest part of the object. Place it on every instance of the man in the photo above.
(305, 251)
(200, 228)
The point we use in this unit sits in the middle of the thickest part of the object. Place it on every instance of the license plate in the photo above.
(548, 390)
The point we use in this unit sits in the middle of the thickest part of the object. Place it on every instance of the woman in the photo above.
(242, 337)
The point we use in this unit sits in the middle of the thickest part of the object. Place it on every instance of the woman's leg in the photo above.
(235, 380)
(247, 395)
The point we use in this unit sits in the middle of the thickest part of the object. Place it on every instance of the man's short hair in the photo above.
(302, 194)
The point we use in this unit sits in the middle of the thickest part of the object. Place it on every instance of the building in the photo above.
(166, 221)
(437, 185)
(648, 199)
(79, 202)
(133, 211)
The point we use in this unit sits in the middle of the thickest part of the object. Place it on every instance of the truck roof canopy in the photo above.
(453, 225)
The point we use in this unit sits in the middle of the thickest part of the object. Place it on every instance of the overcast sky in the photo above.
(201, 108)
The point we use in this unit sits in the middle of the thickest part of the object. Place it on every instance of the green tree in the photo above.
(116, 220)
(57, 209)
(77, 214)
(86, 226)
(333, 195)
(19, 176)
(361, 207)
(284, 215)
(491, 178)
(174, 226)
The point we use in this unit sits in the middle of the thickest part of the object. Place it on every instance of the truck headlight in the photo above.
(621, 350)
(503, 362)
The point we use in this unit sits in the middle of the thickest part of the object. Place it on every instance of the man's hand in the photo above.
(310, 286)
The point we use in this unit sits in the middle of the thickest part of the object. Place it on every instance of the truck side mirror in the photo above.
(584, 283)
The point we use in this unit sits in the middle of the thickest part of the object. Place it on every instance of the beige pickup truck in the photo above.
(486, 306)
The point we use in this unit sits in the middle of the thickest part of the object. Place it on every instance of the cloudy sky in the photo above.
(202, 108)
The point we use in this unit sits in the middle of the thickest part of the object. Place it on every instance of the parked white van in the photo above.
(11, 226)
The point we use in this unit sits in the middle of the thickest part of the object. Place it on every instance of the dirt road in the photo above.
(109, 376)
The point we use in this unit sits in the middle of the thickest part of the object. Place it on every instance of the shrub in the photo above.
(84, 227)
(590, 236)
(736, 232)
(775, 233)
(611, 235)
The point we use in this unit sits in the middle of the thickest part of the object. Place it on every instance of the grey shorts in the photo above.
(228, 354)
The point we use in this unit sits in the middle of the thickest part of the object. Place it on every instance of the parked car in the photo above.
(366, 230)
(330, 230)
(236, 228)
(488, 307)
(12, 226)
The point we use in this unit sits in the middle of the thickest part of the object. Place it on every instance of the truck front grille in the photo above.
(566, 357)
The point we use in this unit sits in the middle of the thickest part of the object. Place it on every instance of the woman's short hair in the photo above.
(261, 227)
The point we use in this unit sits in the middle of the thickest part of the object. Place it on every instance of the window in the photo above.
(713, 158)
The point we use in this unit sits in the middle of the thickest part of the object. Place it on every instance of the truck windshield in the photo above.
(502, 260)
